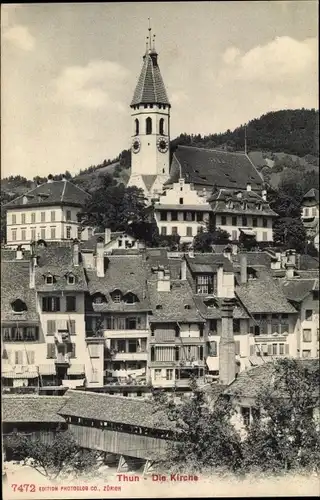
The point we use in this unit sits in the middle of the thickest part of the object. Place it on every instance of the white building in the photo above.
(48, 212)
(310, 215)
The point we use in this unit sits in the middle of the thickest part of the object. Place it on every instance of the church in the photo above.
(195, 182)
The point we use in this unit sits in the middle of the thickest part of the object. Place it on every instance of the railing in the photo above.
(62, 359)
(130, 356)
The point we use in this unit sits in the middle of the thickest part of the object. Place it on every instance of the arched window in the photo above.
(136, 122)
(161, 126)
(148, 126)
(18, 306)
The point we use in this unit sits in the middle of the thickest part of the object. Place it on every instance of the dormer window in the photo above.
(49, 279)
(18, 306)
(71, 279)
(259, 206)
(99, 298)
(131, 298)
(116, 296)
(158, 307)
(187, 306)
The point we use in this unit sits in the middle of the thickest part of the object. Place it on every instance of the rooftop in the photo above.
(208, 263)
(298, 289)
(150, 88)
(32, 408)
(51, 193)
(264, 296)
(249, 203)
(312, 193)
(209, 167)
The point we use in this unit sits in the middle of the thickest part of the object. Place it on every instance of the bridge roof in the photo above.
(35, 409)
(117, 409)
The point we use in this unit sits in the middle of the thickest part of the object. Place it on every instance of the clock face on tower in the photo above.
(136, 145)
(163, 144)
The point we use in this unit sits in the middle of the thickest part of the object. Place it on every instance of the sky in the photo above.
(69, 72)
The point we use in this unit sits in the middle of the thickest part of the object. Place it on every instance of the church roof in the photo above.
(150, 88)
(312, 193)
(209, 167)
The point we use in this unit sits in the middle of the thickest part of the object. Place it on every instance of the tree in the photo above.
(290, 233)
(248, 242)
(286, 434)
(203, 437)
(59, 458)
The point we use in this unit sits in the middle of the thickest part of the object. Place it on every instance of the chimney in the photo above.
(243, 268)
(107, 235)
(264, 195)
(19, 254)
(163, 284)
(183, 271)
(32, 271)
(248, 186)
(100, 259)
(220, 281)
(76, 253)
(227, 351)
(291, 257)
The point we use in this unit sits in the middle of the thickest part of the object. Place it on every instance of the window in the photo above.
(51, 327)
(132, 323)
(116, 297)
(236, 326)
(306, 212)
(189, 231)
(180, 201)
(275, 349)
(306, 353)
(163, 216)
(23, 218)
(264, 222)
(245, 414)
(189, 216)
(281, 349)
(157, 375)
(131, 298)
(264, 236)
(234, 221)
(43, 233)
(223, 220)
(237, 347)
(70, 303)
(53, 216)
(79, 233)
(214, 348)
(213, 325)
(33, 233)
(308, 316)
(51, 304)
(13, 334)
(68, 215)
(43, 217)
(49, 279)
(137, 126)
(71, 279)
(314, 212)
(148, 126)
(254, 221)
(18, 357)
(14, 235)
(199, 216)
(205, 284)
(306, 335)
(13, 219)
(234, 235)
(244, 220)
(174, 230)
(68, 232)
(161, 126)
(169, 374)
(23, 234)
(174, 216)
(33, 218)
(163, 231)
(53, 233)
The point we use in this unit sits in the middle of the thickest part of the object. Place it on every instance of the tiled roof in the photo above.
(32, 408)
(150, 88)
(51, 193)
(211, 167)
(208, 263)
(160, 259)
(219, 203)
(250, 382)
(297, 289)
(15, 285)
(205, 207)
(254, 259)
(263, 296)
(58, 261)
(307, 262)
(117, 409)
(312, 193)
(125, 273)
(172, 304)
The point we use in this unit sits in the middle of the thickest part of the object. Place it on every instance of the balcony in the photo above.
(125, 334)
(62, 360)
(62, 337)
(130, 356)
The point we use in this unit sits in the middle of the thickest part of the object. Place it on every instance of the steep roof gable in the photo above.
(150, 88)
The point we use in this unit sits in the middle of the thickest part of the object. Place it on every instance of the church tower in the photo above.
(150, 117)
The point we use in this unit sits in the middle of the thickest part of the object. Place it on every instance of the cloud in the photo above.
(98, 84)
(20, 36)
(178, 97)
(283, 58)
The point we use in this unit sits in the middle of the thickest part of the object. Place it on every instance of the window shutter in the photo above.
(73, 352)
(237, 347)
(72, 326)
(9, 356)
(19, 357)
(44, 304)
(286, 347)
(269, 350)
(51, 351)
(57, 304)
(51, 327)
(30, 357)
